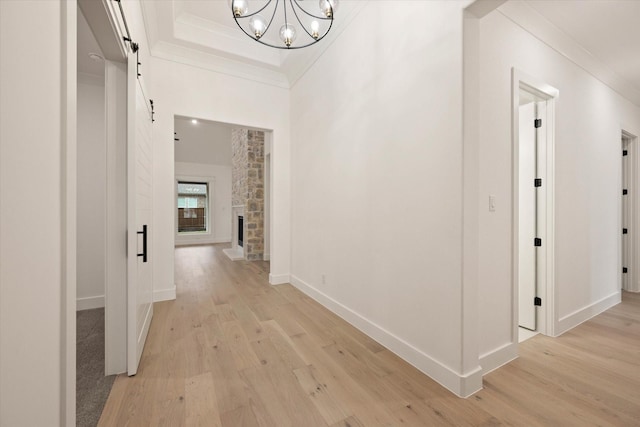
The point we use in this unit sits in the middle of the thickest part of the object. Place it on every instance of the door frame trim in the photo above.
(68, 184)
(546, 314)
(634, 220)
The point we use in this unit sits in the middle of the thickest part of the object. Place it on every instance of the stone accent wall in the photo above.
(239, 140)
(254, 205)
(247, 174)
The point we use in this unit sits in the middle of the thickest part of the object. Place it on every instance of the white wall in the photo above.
(194, 92)
(92, 189)
(589, 117)
(204, 142)
(377, 181)
(32, 273)
(219, 179)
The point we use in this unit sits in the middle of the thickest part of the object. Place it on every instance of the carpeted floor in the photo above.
(92, 387)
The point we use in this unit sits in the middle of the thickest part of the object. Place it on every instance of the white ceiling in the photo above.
(608, 29)
(87, 44)
(203, 33)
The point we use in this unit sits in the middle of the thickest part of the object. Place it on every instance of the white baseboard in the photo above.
(279, 279)
(499, 357)
(186, 241)
(98, 302)
(164, 294)
(577, 317)
(633, 287)
(461, 385)
(89, 303)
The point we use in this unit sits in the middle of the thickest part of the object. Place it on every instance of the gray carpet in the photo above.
(92, 387)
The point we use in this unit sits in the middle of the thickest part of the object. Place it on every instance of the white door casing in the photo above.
(139, 213)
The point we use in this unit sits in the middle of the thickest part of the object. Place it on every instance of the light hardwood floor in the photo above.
(234, 351)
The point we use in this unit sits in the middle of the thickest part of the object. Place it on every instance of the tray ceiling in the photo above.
(203, 33)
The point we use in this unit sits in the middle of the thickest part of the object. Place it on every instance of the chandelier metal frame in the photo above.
(293, 4)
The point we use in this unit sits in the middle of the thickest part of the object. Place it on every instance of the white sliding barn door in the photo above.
(139, 212)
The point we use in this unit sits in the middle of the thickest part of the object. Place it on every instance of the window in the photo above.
(193, 207)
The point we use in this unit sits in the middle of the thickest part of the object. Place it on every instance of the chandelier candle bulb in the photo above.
(239, 7)
(258, 25)
(328, 7)
(315, 29)
(288, 34)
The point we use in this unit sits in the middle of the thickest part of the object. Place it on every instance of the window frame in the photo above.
(209, 182)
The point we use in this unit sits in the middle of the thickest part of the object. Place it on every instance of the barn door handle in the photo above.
(144, 243)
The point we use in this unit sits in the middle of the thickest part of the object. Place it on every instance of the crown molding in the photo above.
(221, 40)
(480, 8)
(196, 58)
(533, 22)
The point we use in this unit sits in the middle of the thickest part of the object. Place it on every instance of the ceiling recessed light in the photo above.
(194, 121)
(96, 57)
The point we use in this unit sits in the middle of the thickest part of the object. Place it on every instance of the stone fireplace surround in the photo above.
(247, 179)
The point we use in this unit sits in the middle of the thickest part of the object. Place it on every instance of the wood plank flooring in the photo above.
(234, 351)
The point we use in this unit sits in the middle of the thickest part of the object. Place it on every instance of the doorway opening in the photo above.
(629, 217)
(113, 152)
(233, 163)
(533, 235)
(93, 382)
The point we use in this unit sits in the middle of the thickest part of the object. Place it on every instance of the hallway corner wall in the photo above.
(376, 185)
(35, 133)
(588, 120)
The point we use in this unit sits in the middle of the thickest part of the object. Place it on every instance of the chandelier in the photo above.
(299, 23)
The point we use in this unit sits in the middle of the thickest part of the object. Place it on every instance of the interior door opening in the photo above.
(533, 196)
(629, 217)
(230, 164)
(528, 230)
(91, 216)
(101, 212)
(625, 212)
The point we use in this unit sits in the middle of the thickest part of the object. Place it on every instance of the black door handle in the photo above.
(144, 243)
